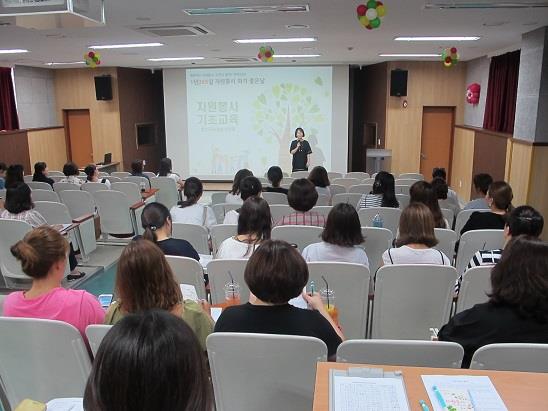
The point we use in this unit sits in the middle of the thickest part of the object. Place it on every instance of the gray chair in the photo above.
(221, 272)
(54, 173)
(120, 174)
(299, 174)
(346, 182)
(196, 235)
(57, 187)
(28, 178)
(357, 174)
(95, 334)
(92, 187)
(332, 175)
(477, 240)
(277, 211)
(274, 198)
(149, 174)
(188, 271)
(446, 241)
(168, 194)
(336, 189)
(115, 215)
(34, 185)
(323, 210)
(405, 181)
(300, 235)
(511, 357)
(138, 180)
(449, 215)
(412, 176)
(221, 232)
(403, 200)
(12, 231)
(390, 216)
(462, 218)
(44, 195)
(323, 200)
(474, 287)
(360, 188)
(402, 189)
(348, 198)
(377, 241)
(218, 198)
(221, 209)
(130, 189)
(79, 202)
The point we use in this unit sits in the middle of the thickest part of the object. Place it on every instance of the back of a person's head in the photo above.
(525, 220)
(18, 198)
(416, 226)
(440, 187)
(276, 272)
(70, 169)
(319, 177)
(39, 250)
(249, 187)
(192, 191)
(149, 361)
(275, 175)
(302, 195)
(423, 192)
(255, 218)
(520, 279)
(482, 182)
(240, 175)
(144, 279)
(137, 166)
(40, 167)
(501, 194)
(14, 175)
(154, 217)
(165, 167)
(439, 172)
(343, 226)
(385, 184)
(90, 171)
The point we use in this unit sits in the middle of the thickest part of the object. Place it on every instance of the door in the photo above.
(78, 129)
(437, 139)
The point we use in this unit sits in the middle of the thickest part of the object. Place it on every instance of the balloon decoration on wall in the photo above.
(473, 93)
(92, 58)
(266, 54)
(370, 14)
(450, 57)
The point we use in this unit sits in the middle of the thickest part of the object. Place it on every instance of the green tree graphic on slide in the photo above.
(279, 112)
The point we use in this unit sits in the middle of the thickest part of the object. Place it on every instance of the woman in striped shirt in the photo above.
(383, 194)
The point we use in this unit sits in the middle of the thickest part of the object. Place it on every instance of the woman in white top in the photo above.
(165, 171)
(415, 239)
(341, 238)
(233, 196)
(320, 179)
(383, 194)
(254, 226)
(189, 211)
(70, 170)
(249, 187)
(93, 175)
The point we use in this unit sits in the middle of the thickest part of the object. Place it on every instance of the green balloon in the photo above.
(262, 49)
(372, 4)
(375, 23)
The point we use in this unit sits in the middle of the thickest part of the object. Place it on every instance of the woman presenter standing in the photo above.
(300, 150)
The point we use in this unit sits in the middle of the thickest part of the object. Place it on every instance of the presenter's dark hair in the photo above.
(154, 216)
(343, 226)
(275, 175)
(70, 169)
(423, 192)
(165, 167)
(137, 166)
(255, 218)
(525, 220)
(163, 367)
(302, 195)
(249, 187)
(90, 171)
(482, 182)
(40, 167)
(384, 184)
(14, 175)
(18, 198)
(240, 175)
(297, 129)
(439, 172)
(192, 191)
(319, 177)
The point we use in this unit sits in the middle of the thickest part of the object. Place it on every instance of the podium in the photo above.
(381, 159)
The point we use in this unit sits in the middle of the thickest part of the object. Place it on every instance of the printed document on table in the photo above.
(189, 292)
(368, 394)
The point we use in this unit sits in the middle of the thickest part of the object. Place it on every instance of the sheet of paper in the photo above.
(368, 394)
(189, 292)
(65, 404)
(461, 390)
(216, 313)
(299, 302)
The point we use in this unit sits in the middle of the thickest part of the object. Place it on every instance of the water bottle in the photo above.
(377, 221)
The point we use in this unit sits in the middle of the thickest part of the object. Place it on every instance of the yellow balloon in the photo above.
(364, 21)
(381, 11)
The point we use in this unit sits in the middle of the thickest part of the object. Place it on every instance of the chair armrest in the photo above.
(82, 218)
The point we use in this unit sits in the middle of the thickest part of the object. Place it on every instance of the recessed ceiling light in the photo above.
(143, 19)
(63, 63)
(297, 26)
(409, 55)
(438, 38)
(123, 46)
(247, 10)
(13, 51)
(175, 58)
(282, 56)
(531, 23)
(496, 24)
(486, 5)
(277, 40)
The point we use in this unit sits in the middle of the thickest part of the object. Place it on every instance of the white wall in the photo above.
(477, 72)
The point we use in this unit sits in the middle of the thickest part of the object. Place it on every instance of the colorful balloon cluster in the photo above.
(450, 57)
(92, 58)
(370, 14)
(266, 54)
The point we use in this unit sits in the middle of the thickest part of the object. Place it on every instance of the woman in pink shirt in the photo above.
(43, 255)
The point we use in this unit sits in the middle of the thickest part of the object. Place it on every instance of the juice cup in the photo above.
(232, 294)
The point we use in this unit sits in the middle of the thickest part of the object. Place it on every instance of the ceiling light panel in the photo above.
(13, 51)
(298, 8)
(485, 5)
(277, 40)
(125, 46)
(175, 58)
(409, 55)
(438, 38)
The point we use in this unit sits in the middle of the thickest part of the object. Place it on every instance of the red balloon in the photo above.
(259, 56)
(369, 27)
(91, 54)
(448, 59)
(268, 54)
(98, 62)
(361, 10)
(453, 50)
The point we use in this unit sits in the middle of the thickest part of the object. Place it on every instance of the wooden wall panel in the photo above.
(520, 171)
(538, 189)
(462, 164)
(429, 84)
(48, 145)
(15, 148)
(490, 155)
(75, 89)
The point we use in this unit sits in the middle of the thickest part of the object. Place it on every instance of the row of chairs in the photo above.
(354, 174)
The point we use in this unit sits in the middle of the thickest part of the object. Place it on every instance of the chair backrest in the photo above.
(357, 174)
(449, 215)
(28, 178)
(332, 175)
(92, 187)
(218, 273)
(370, 180)
(275, 198)
(361, 188)
(463, 217)
(401, 189)
(279, 371)
(218, 198)
(264, 181)
(57, 187)
(323, 210)
(188, 271)
(167, 194)
(42, 359)
(323, 200)
(54, 213)
(54, 173)
(377, 241)
(511, 357)
(410, 299)
(277, 211)
(12, 231)
(475, 285)
(348, 198)
(221, 232)
(346, 182)
(79, 202)
(120, 174)
(390, 217)
(446, 241)
(403, 200)
(114, 212)
(299, 174)
(442, 354)
(350, 284)
(114, 179)
(287, 180)
(137, 180)
(413, 176)
(95, 334)
(40, 185)
(477, 240)
(300, 235)
(221, 209)
(196, 235)
(405, 181)
(130, 189)
(337, 189)
(149, 174)
(44, 195)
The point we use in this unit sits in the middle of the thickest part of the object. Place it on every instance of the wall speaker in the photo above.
(398, 83)
(103, 87)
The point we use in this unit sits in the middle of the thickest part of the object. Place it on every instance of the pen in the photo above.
(423, 405)
(439, 397)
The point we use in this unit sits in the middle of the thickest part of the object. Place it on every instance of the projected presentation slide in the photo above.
(246, 117)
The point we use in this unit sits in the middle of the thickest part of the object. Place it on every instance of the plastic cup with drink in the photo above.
(232, 293)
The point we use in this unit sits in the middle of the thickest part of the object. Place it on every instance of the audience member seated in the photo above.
(499, 199)
(249, 187)
(423, 192)
(144, 281)
(320, 179)
(233, 196)
(93, 175)
(41, 173)
(14, 175)
(3, 169)
(451, 198)
(383, 194)
(156, 221)
(254, 226)
(137, 168)
(165, 171)
(43, 256)
(149, 361)
(517, 310)
(275, 176)
(481, 186)
(70, 170)
(189, 211)
(416, 237)
(275, 274)
(302, 196)
(341, 238)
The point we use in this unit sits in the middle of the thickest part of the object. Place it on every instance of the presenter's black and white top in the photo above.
(300, 157)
